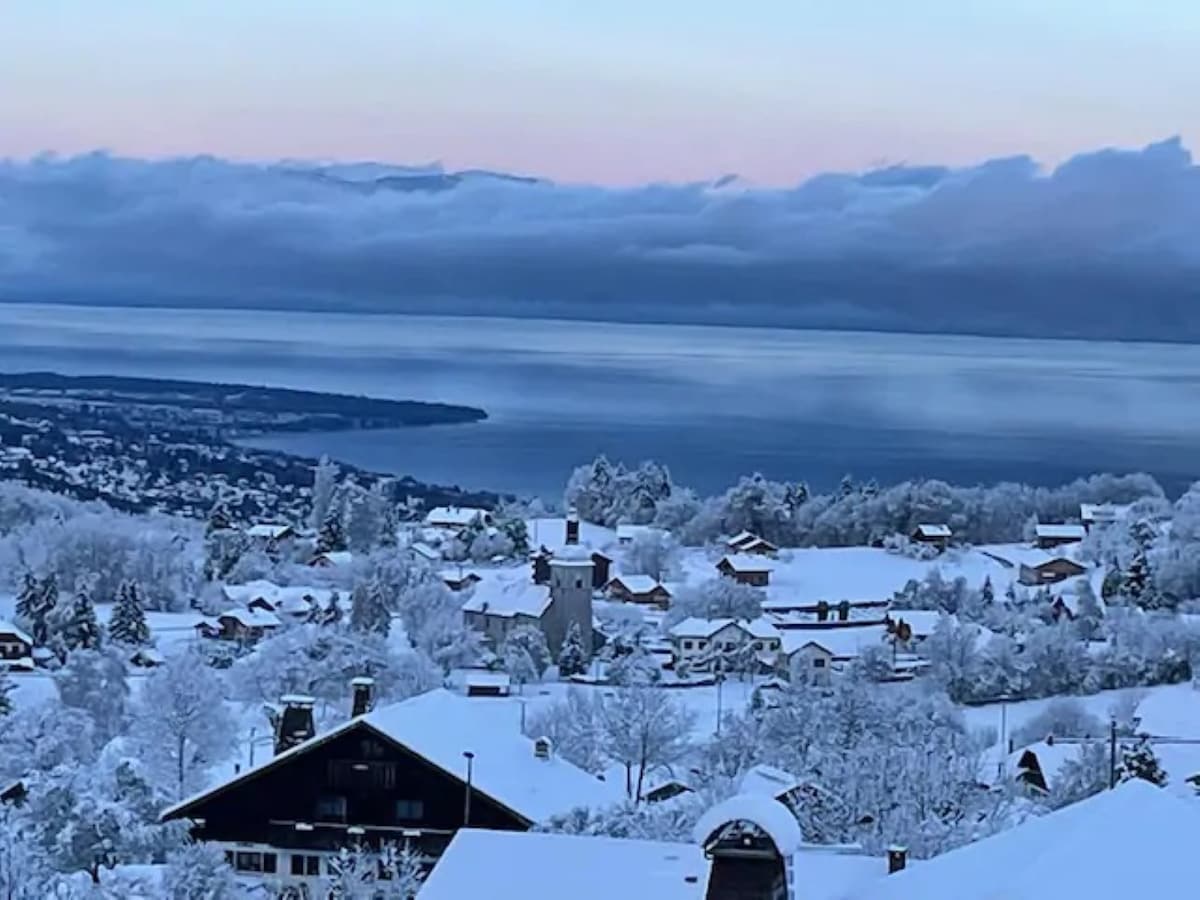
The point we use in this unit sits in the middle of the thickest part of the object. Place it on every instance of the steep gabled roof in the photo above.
(439, 727)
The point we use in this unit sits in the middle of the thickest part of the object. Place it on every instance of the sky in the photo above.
(619, 92)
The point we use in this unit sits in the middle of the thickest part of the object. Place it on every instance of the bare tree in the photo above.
(643, 728)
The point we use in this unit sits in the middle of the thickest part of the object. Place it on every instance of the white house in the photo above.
(698, 643)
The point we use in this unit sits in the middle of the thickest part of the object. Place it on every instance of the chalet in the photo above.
(16, 647)
(146, 658)
(416, 771)
(1093, 514)
(699, 643)
(1036, 767)
(772, 782)
(938, 536)
(242, 625)
(458, 518)
(814, 654)
(270, 536)
(481, 682)
(1131, 841)
(1048, 536)
(749, 543)
(1052, 571)
(13, 793)
(746, 569)
(335, 559)
(497, 605)
(459, 580)
(639, 589)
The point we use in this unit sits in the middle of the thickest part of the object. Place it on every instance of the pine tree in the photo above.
(223, 544)
(1139, 761)
(27, 600)
(128, 623)
(6, 687)
(368, 611)
(987, 593)
(572, 659)
(42, 606)
(331, 538)
(1112, 583)
(518, 532)
(846, 487)
(80, 630)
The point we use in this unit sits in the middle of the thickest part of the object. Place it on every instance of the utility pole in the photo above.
(1112, 754)
(720, 681)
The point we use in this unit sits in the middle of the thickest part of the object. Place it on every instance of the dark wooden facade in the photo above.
(358, 778)
(752, 577)
(13, 646)
(1050, 572)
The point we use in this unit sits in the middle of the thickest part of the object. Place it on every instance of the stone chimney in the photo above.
(363, 692)
(296, 723)
(897, 859)
(572, 528)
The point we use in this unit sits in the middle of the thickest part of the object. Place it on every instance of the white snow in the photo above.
(508, 592)
(7, 627)
(764, 812)
(1060, 532)
(1135, 841)
(745, 563)
(844, 642)
(513, 865)
(637, 584)
(934, 531)
(768, 781)
(455, 516)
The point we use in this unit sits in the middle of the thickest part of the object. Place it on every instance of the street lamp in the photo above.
(470, 758)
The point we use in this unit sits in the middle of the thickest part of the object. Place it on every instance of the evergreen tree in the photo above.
(128, 623)
(331, 538)
(34, 605)
(518, 532)
(27, 600)
(987, 593)
(846, 488)
(6, 687)
(79, 629)
(572, 659)
(1139, 761)
(1088, 613)
(223, 544)
(324, 484)
(368, 610)
(1111, 586)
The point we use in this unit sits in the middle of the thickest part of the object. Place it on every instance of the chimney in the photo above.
(296, 724)
(543, 748)
(897, 859)
(572, 527)
(363, 690)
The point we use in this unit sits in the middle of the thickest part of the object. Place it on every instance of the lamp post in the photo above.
(720, 681)
(470, 758)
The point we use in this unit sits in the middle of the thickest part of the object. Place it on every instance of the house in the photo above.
(750, 543)
(1048, 536)
(16, 647)
(417, 771)
(497, 604)
(736, 643)
(459, 580)
(1136, 840)
(639, 589)
(269, 536)
(458, 518)
(336, 559)
(746, 569)
(772, 782)
(1036, 767)
(424, 551)
(481, 682)
(938, 536)
(1052, 571)
(815, 654)
(912, 626)
(243, 625)
(1093, 514)
(295, 602)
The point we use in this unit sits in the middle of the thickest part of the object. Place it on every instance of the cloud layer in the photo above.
(1107, 244)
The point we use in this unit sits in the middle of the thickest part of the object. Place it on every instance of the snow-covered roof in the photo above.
(1134, 841)
(480, 678)
(638, 584)
(835, 874)
(630, 532)
(934, 531)
(1055, 559)
(766, 813)
(456, 516)
(740, 538)
(440, 726)
(424, 550)
(767, 780)
(843, 642)
(507, 598)
(515, 865)
(1050, 759)
(7, 627)
(741, 562)
(251, 618)
(1103, 512)
(268, 530)
(1060, 532)
(288, 599)
(337, 559)
(695, 627)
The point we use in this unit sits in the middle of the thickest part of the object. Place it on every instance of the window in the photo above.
(371, 749)
(410, 810)
(819, 662)
(305, 864)
(687, 645)
(578, 582)
(331, 808)
(253, 861)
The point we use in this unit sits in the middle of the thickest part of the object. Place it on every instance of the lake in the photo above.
(710, 402)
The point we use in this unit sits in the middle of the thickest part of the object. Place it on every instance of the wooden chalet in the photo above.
(1049, 536)
(938, 536)
(750, 543)
(16, 647)
(746, 569)
(1052, 571)
(459, 581)
(415, 771)
(639, 589)
(243, 625)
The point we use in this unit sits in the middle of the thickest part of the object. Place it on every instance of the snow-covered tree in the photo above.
(128, 623)
(331, 538)
(368, 609)
(519, 664)
(644, 728)
(6, 688)
(75, 624)
(223, 543)
(572, 659)
(24, 869)
(181, 725)
(199, 871)
(575, 727)
(654, 553)
(716, 598)
(392, 872)
(1139, 761)
(43, 737)
(1082, 776)
(531, 640)
(325, 477)
(1062, 717)
(94, 681)
(1089, 616)
(35, 604)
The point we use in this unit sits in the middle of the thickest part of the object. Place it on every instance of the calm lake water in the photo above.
(711, 402)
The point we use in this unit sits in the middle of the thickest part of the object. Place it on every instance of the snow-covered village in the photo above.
(915, 692)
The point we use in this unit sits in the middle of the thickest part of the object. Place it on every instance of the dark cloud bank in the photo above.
(1106, 245)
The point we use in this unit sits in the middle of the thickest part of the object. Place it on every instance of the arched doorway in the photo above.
(750, 840)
